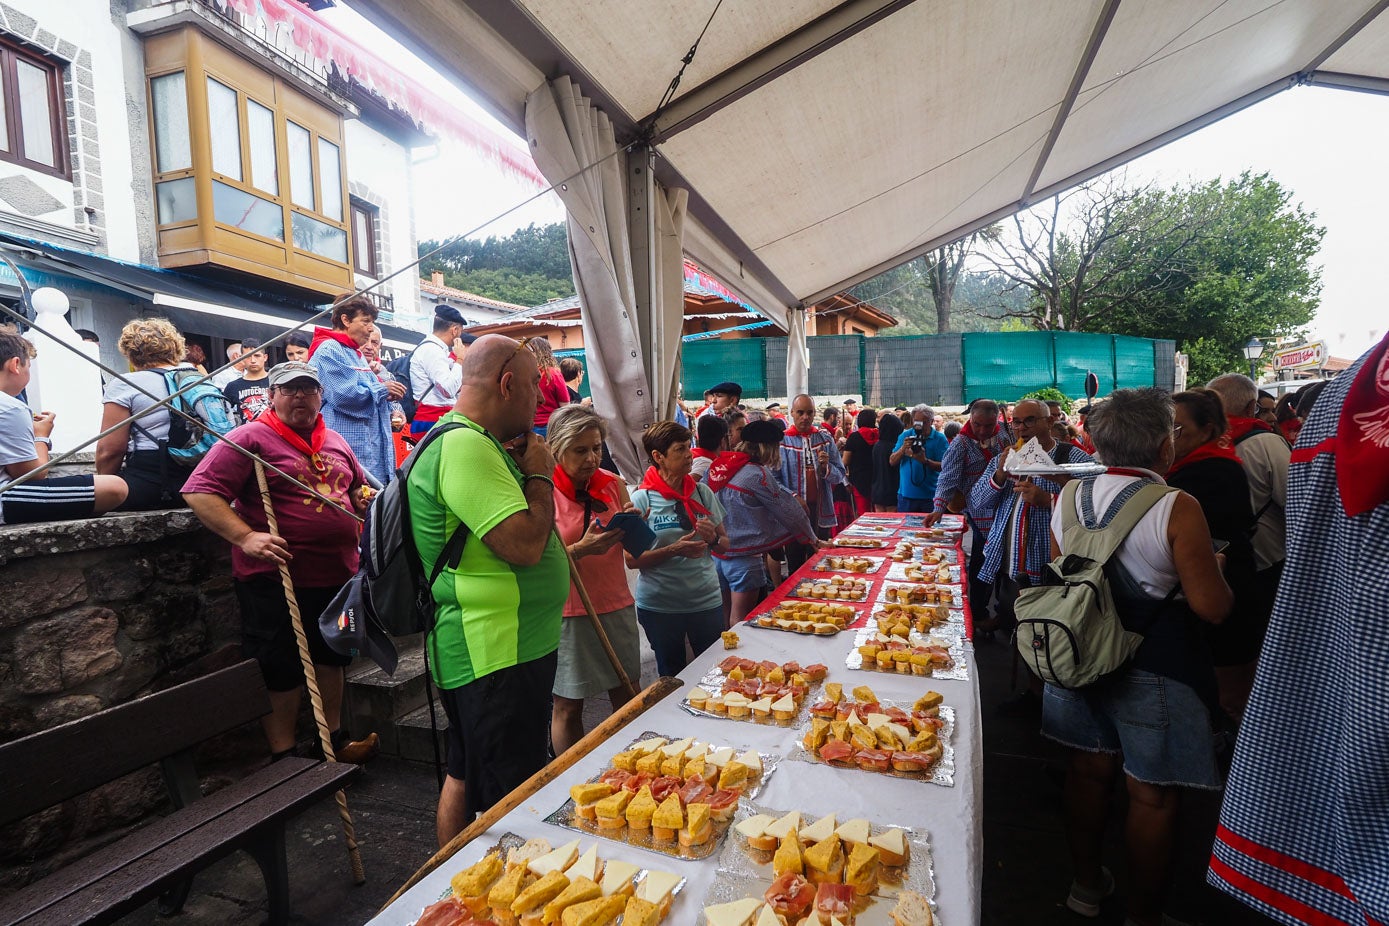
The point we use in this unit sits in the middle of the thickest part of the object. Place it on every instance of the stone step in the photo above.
(375, 700)
(412, 733)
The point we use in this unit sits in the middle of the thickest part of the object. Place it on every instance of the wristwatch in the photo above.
(46, 441)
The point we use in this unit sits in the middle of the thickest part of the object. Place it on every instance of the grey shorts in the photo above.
(584, 670)
(1161, 727)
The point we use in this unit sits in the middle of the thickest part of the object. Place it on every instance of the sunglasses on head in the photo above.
(520, 346)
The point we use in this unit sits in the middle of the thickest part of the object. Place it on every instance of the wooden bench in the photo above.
(160, 858)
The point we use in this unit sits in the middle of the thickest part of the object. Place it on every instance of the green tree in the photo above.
(1207, 264)
(528, 267)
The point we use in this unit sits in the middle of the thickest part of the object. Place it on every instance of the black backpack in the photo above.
(400, 369)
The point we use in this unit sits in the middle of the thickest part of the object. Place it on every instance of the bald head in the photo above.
(501, 385)
(803, 413)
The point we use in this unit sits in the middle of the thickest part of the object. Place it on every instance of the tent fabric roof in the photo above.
(825, 142)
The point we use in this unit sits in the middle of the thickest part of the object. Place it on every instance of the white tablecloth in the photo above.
(951, 816)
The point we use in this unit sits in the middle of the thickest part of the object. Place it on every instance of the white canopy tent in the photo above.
(824, 142)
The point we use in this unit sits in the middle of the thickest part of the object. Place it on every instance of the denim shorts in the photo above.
(742, 573)
(1161, 727)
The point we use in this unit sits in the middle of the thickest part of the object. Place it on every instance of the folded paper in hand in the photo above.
(1031, 458)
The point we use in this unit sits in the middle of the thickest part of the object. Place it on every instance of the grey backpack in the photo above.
(1069, 632)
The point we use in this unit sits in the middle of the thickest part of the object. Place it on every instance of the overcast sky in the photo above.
(1327, 146)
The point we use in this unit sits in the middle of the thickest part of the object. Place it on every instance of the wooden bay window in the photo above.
(33, 117)
(248, 169)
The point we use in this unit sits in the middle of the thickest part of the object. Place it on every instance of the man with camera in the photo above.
(918, 457)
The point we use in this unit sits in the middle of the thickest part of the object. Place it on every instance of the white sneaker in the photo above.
(1086, 901)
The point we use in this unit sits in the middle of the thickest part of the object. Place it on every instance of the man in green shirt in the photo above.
(493, 648)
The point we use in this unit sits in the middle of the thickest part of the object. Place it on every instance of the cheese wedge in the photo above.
(697, 696)
(902, 734)
(677, 747)
(892, 844)
(657, 886)
(617, 876)
(651, 745)
(585, 866)
(854, 831)
(784, 703)
(577, 892)
(761, 706)
(696, 750)
(753, 826)
(598, 912)
(854, 720)
(785, 825)
(766, 917)
(640, 912)
(736, 913)
(720, 757)
(556, 860)
(752, 760)
(822, 828)
(876, 720)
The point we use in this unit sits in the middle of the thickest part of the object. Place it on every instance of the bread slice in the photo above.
(892, 845)
(911, 910)
(736, 913)
(822, 828)
(617, 877)
(699, 828)
(523, 855)
(600, 912)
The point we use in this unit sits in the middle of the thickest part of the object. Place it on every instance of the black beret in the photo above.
(449, 314)
(727, 389)
(762, 432)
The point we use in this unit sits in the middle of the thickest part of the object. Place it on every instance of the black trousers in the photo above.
(979, 592)
(798, 553)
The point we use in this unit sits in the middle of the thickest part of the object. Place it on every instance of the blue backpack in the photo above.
(188, 441)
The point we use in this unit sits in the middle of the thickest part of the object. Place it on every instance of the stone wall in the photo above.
(95, 613)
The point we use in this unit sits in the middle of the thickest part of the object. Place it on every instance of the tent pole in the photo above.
(641, 231)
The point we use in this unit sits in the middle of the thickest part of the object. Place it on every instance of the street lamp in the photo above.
(1252, 352)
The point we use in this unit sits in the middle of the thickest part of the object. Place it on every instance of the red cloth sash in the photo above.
(1362, 436)
(310, 448)
(1242, 426)
(654, 481)
(597, 483)
(699, 453)
(725, 468)
(870, 435)
(321, 335)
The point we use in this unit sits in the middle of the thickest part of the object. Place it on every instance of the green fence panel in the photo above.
(1164, 364)
(1005, 365)
(911, 369)
(836, 364)
(712, 361)
(1078, 353)
(1134, 363)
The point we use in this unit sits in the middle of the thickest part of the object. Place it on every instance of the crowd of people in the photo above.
(734, 495)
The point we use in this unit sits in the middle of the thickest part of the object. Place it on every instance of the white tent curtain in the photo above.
(632, 363)
(797, 354)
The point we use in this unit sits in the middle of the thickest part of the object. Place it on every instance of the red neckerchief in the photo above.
(828, 427)
(985, 444)
(1125, 471)
(312, 449)
(725, 468)
(699, 453)
(597, 484)
(1290, 428)
(320, 335)
(1362, 436)
(655, 481)
(870, 435)
(1242, 426)
(1217, 449)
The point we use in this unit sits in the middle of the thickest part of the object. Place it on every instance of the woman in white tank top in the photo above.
(1147, 719)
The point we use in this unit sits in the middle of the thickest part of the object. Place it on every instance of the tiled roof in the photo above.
(463, 295)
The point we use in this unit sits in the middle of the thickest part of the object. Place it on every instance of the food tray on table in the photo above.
(900, 620)
(908, 740)
(904, 857)
(854, 565)
(757, 692)
(924, 552)
(936, 574)
(859, 543)
(941, 655)
(665, 778)
(870, 529)
(745, 895)
(822, 618)
(526, 877)
(925, 593)
(836, 588)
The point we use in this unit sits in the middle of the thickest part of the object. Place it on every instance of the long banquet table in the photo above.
(950, 815)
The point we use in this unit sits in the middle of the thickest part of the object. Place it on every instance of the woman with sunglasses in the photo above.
(586, 498)
(678, 596)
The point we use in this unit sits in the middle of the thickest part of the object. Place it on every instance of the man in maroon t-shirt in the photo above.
(317, 538)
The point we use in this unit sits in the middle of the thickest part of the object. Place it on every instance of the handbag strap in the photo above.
(1097, 539)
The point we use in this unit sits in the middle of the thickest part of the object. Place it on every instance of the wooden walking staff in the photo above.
(527, 789)
(628, 688)
(354, 854)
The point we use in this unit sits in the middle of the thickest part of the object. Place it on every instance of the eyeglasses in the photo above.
(1176, 431)
(1030, 420)
(520, 346)
(300, 390)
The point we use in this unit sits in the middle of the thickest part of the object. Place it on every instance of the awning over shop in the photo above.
(221, 310)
